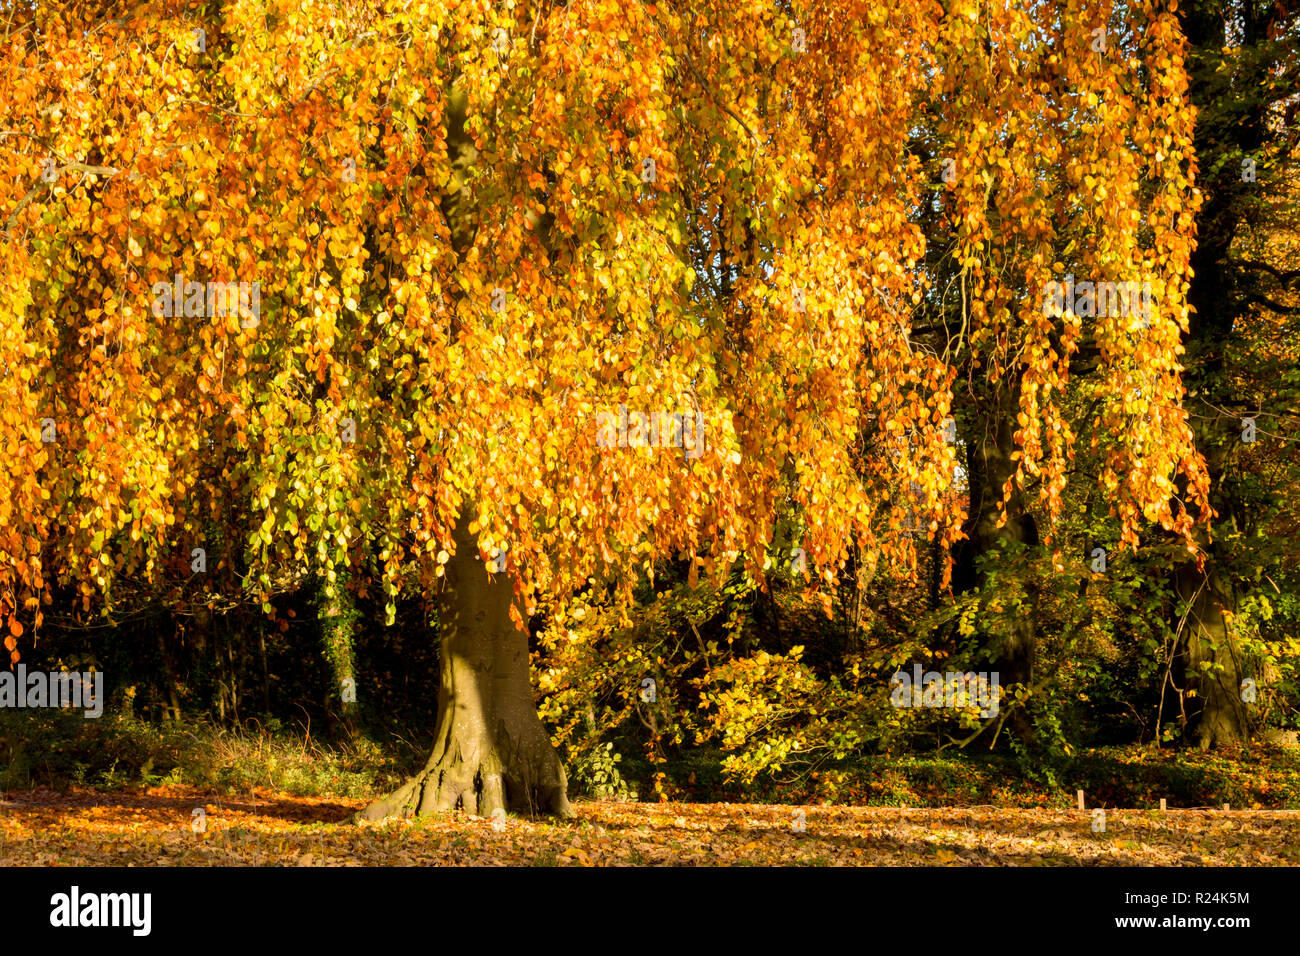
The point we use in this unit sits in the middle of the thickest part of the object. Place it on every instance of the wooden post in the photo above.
(1162, 804)
(1080, 799)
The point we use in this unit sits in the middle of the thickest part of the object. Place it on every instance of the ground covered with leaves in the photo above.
(158, 826)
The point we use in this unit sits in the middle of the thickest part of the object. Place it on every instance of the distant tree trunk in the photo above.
(490, 749)
(1228, 129)
(1216, 714)
(266, 672)
(172, 709)
(1014, 642)
(231, 680)
(336, 616)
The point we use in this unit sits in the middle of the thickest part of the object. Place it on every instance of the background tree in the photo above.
(1060, 138)
(1244, 70)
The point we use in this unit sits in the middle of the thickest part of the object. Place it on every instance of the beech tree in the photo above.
(1244, 66)
(1065, 138)
(488, 301)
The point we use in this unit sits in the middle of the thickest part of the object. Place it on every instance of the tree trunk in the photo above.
(1217, 717)
(1225, 132)
(172, 708)
(490, 750)
(336, 616)
(1013, 644)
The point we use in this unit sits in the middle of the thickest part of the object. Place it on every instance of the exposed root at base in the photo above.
(436, 790)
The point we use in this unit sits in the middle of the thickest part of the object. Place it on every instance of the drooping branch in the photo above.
(108, 171)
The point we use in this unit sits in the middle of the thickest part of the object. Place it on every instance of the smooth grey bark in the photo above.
(490, 749)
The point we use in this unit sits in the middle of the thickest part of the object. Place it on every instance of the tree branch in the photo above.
(1284, 278)
(1268, 303)
(66, 168)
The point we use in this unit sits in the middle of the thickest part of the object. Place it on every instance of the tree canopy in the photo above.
(473, 228)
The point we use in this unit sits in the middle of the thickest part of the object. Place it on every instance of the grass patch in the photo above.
(55, 750)
(1261, 777)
